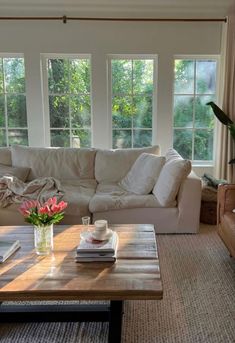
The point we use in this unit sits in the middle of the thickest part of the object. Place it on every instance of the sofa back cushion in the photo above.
(20, 172)
(143, 175)
(174, 171)
(5, 156)
(60, 163)
(113, 165)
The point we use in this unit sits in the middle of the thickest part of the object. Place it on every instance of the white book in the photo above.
(7, 248)
(94, 254)
(95, 258)
(107, 246)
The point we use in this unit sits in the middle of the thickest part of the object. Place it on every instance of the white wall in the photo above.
(99, 39)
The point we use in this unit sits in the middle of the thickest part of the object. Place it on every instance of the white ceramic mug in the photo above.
(101, 227)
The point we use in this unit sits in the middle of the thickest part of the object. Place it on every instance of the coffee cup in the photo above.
(101, 229)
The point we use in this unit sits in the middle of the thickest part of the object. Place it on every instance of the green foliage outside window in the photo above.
(13, 118)
(194, 87)
(132, 99)
(69, 102)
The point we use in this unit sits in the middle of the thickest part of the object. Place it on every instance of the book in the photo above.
(7, 248)
(96, 259)
(105, 251)
(107, 246)
(95, 254)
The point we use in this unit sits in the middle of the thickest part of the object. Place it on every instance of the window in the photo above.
(13, 117)
(132, 86)
(69, 101)
(194, 86)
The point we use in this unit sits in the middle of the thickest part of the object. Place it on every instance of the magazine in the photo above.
(7, 248)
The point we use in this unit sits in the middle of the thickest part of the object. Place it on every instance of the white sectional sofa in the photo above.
(91, 180)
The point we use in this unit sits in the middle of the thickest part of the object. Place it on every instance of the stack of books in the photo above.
(98, 251)
(7, 248)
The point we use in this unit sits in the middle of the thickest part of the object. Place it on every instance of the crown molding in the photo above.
(133, 8)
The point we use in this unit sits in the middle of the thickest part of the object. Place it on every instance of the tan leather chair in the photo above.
(226, 216)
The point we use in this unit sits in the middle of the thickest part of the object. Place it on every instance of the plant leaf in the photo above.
(223, 118)
(232, 130)
(232, 161)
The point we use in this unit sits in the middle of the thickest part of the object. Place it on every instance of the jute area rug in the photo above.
(198, 306)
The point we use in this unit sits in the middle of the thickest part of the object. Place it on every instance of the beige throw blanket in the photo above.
(13, 190)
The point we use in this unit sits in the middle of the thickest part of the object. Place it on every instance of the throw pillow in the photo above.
(175, 170)
(20, 172)
(143, 174)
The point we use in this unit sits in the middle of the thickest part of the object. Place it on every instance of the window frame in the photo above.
(110, 57)
(14, 55)
(198, 163)
(45, 90)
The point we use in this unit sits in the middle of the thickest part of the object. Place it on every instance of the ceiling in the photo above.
(128, 8)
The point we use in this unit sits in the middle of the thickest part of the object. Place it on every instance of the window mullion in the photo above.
(5, 103)
(69, 95)
(132, 102)
(194, 107)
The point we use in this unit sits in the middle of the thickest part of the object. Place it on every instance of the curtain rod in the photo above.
(65, 19)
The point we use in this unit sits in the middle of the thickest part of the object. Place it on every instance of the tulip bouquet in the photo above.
(50, 212)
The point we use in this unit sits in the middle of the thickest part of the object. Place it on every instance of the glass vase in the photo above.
(43, 239)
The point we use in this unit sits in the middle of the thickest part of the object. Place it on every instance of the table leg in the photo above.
(115, 321)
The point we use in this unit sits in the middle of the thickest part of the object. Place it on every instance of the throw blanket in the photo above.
(13, 190)
(211, 181)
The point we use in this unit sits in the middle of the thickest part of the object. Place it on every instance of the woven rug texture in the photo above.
(198, 305)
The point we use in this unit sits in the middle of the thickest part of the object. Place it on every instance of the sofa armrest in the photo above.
(189, 203)
(226, 199)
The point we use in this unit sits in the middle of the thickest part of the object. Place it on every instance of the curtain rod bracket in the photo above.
(64, 18)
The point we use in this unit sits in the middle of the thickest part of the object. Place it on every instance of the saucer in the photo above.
(108, 235)
(88, 236)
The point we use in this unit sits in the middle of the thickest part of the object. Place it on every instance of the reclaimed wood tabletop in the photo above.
(135, 274)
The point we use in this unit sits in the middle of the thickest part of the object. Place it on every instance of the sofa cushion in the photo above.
(5, 156)
(20, 172)
(143, 175)
(174, 171)
(60, 163)
(78, 196)
(111, 196)
(113, 165)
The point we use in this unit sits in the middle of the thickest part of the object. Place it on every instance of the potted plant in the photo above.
(224, 119)
(43, 216)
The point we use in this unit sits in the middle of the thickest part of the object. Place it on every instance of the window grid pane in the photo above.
(132, 102)
(69, 102)
(193, 120)
(13, 116)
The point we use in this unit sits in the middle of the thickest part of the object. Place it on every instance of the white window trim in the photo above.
(11, 55)
(45, 90)
(153, 57)
(198, 163)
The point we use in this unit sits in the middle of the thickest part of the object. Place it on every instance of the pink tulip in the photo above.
(62, 205)
(29, 204)
(51, 201)
(49, 208)
(44, 210)
(55, 208)
(24, 212)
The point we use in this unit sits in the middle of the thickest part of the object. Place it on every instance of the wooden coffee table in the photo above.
(26, 276)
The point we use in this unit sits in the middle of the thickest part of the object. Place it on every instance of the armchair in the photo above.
(226, 216)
